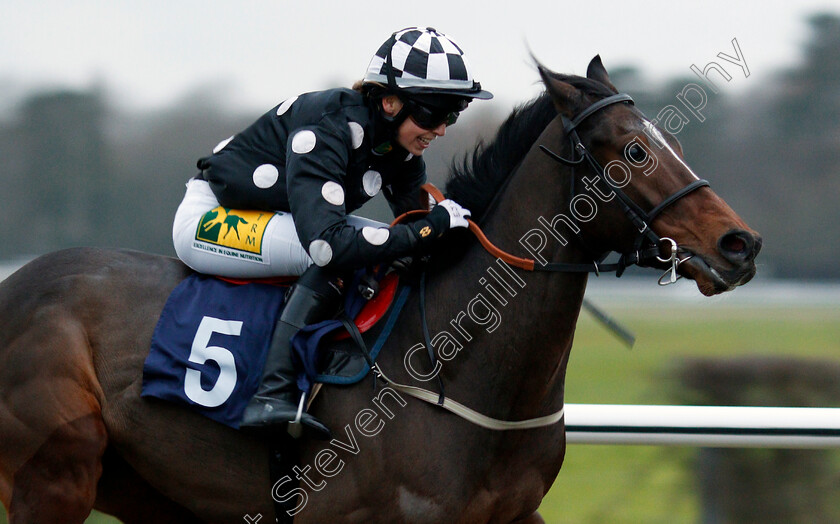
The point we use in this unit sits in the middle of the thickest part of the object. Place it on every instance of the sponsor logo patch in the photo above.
(233, 233)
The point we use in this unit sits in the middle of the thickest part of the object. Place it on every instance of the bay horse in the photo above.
(76, 326)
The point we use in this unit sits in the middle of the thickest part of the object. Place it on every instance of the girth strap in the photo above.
(427, 340)
(470, 414)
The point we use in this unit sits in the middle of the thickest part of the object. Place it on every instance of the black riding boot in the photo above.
(314, 297)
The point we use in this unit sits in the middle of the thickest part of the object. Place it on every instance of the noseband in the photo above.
(639, 217)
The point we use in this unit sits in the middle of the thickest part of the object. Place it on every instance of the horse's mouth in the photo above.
(712, 281)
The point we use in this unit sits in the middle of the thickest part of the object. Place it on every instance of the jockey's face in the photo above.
(410, 136)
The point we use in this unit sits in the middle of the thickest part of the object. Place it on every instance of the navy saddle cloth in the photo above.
(212, 339)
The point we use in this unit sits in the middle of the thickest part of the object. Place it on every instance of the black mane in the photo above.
(476, 181)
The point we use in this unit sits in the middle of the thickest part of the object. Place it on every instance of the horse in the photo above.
(577, 172)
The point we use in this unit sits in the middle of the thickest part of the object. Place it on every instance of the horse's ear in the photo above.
(566, 97)
(597, 71)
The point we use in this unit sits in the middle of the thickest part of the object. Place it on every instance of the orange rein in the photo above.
(522, 263)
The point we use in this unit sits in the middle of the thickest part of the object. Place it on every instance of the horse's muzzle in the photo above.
(738, 249)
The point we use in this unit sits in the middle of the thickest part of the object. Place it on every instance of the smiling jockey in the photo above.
(301, 168)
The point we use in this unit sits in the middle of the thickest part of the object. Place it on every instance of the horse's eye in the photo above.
(637, 154)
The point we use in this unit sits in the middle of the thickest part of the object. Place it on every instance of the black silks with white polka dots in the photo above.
(312, 155)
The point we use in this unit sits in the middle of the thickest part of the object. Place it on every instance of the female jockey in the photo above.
(301, 168)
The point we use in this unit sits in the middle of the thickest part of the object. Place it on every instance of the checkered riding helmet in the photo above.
(423, 62)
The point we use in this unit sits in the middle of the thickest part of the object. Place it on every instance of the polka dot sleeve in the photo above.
(316, 161)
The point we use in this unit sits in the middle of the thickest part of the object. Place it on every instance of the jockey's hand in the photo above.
(449, 214)
(443, 217)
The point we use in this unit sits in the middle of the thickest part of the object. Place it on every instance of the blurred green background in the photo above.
(647, 484)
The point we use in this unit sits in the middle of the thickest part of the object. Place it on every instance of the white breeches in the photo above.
(239, 243)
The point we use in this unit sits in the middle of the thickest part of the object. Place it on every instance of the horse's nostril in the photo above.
(739, 246)
(733, 244)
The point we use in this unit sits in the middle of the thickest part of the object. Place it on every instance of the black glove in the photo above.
(444, 216)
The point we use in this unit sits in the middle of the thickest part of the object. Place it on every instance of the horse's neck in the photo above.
(524, 350)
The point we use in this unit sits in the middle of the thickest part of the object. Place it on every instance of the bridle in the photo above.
(640, 219)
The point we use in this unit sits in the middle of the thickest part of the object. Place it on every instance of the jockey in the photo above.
(301, 168)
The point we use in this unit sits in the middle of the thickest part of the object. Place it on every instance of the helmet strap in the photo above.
(387, 127)
(389, 124)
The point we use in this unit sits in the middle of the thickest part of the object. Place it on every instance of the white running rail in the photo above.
(703, 426)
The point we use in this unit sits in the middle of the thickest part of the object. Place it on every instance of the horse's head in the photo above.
(635, 192)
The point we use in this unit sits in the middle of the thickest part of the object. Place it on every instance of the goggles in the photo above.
(430, 118)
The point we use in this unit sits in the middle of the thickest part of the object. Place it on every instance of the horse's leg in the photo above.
(127, 496)
(58, 484)
(51, 422)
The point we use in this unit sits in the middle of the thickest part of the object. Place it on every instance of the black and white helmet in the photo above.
(423, 61)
